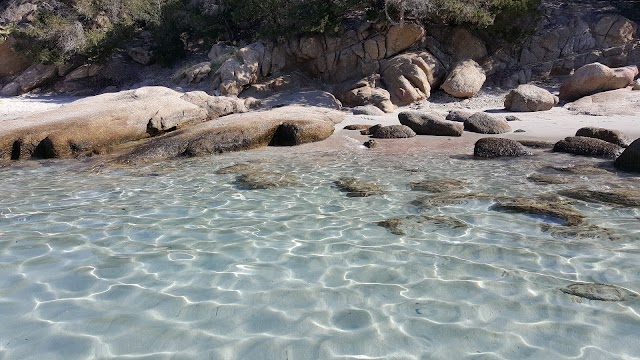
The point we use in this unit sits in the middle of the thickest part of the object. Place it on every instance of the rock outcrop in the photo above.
(411, 76)
(528, 98)
(364, 92)
(464, 80)
(594, 78)
(430, 124)
(11, 62)
(629, 160)
(586, 146)
(96, 124)
(35, 76)
(499, 147)
(285, 126)
(484, 123)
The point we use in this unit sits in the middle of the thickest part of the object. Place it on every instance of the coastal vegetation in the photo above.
(56, 31)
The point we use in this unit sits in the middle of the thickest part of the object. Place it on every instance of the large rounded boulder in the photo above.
(394, 132)
(410, 76)
(612, 136)
(629, 160)
(465, 79)
(430, 124)
(594, 78)
(499, 147)
(529, 98)
(484, 123)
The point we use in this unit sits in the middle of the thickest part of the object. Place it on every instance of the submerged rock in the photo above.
(400, 226)
(449, 199)
(498, 147)
(266, 180)
(355, 187)
(237, 169)
(582, 232)
(586, 146)
(540, 207)
(548, 179)
(438, 186)
(622, 197)
(579, 170)
(602, 292)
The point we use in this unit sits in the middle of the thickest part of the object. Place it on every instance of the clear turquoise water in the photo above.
(174, 261)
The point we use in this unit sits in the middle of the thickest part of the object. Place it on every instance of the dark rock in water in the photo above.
(394, 132)
(367, 110)
(537, 144)
(580, 170)
(357, 127)
(623, 197)
(266, 180)
(579, 145)
(582, 232)
(424, 123)
(236, 169)
(400, 226)
(459, 115)
(612, 136)
(370, 144)
(438, 186)
(355, 187)
(498, 147)
(548, 179)
(371, 130)
(512, 118)
(484, 123)
(540, 207)
(629, 160)
(519, 131)
(602, 292)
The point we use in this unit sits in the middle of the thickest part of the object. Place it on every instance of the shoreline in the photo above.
(550, 126)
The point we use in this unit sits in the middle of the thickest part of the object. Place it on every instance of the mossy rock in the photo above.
(621, 197)
(236, 169)
(355, 187)
(438, 186)
(400, 226)
(557, 210)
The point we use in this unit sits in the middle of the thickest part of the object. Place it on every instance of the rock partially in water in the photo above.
(622, 197)
(582, 232)
(499, 147)
(629, 160)
(438, 186)
(394, 132)
(266, 180)
(586, 146)
(595, 291)
(400, 226)
(430, 123)
(370, 144)
(355, 187)
(548, 179)
(611, 136)
(557, 210)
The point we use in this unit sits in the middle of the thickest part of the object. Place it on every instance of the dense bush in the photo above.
(96, 28)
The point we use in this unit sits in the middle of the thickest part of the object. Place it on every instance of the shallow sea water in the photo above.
(174, 261)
